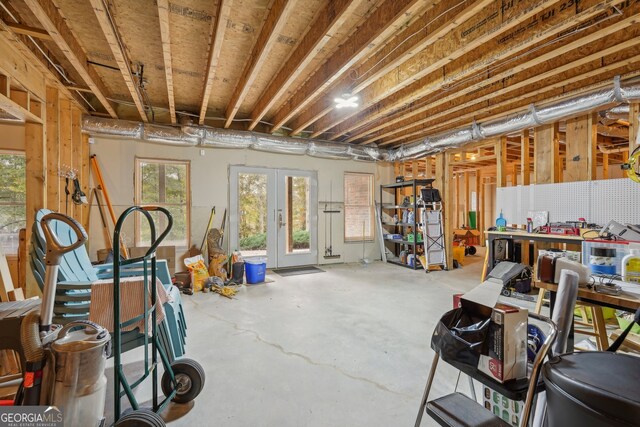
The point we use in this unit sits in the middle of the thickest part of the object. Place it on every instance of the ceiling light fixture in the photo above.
(346, 101)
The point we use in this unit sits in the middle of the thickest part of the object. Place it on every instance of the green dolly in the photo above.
(183, 379)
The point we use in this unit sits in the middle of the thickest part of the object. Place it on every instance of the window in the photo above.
(163, 183)
(358, 207)
(12, 200)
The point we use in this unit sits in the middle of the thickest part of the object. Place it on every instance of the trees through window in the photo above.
(12, 200)
(164, 183)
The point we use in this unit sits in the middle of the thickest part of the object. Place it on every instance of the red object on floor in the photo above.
(456, 300)
(6, 403)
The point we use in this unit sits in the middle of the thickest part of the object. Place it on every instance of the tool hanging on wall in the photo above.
(329, 210)
(98, 176)
(78, 197)
(632, 167)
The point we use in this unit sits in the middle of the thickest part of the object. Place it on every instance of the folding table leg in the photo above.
(427, 388)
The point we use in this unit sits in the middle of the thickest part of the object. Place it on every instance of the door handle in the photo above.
(280, 222)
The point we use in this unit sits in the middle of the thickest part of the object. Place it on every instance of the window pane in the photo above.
(252, 193)
(176, 184)
(298, 208)
(178, 231)
(150, 183)
(12, 200)
(358, 209)
(165, 184)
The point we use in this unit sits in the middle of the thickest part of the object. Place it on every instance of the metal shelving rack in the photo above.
(399, 227)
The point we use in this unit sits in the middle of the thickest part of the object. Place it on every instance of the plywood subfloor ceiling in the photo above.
(417, 67)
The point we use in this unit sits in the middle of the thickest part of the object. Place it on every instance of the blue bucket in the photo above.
(255, 270)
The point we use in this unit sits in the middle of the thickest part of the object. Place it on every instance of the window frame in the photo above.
(14, 152)
(372, 207)
(138, 195)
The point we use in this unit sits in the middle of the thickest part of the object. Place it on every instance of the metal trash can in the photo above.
(592, 389)
(81, 385)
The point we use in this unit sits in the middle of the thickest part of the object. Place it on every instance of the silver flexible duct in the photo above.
(190, 135)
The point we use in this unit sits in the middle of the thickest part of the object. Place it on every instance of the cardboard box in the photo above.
(507, 344)
(507, 339)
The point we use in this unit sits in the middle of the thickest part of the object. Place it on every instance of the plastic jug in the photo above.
(631, 267)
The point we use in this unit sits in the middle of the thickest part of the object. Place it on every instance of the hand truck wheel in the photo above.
(190, 378)
(142, 417)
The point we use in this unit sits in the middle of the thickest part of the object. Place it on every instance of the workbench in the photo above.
(524, 236)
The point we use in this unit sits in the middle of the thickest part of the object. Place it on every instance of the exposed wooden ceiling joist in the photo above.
(402, 72)
(218, 27)
(47, 14)
(321, 31)
(463, 101)
(378, 26)
(28, 31)
(119, 53)
(469, 68)
(433, 58)
(165, 36)
(276, 19)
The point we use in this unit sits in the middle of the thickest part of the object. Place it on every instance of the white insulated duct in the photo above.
(190, 135)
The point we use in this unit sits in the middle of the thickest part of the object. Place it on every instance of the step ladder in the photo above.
(433, 231)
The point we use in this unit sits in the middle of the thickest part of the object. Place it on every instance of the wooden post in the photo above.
(414, 169)
(467, 199)
(581, 149)
(514, 174)
(605, 166)
(66, 205)
(457, 196)
(448, 209)
(36, 179)
(545, 154)
(525, 160)
(501, 161)
(76, 155)
(84, 179)
(634, 125)
(53, 149)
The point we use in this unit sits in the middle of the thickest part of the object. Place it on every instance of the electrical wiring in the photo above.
(358, 77)
(577, 30)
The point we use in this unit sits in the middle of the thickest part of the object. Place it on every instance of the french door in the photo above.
(273, 214)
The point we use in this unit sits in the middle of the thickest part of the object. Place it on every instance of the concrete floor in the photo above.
(346, 347)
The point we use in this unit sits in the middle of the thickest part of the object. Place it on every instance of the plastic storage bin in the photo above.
(255, 270)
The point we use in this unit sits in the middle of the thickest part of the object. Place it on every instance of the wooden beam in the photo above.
(76, 158)
(320, 33)
(525, 160)
(17, 110)
(276, 19)
(47, 13)
(605, 166)
(581, 143)
(120, 55)
(53, 148)
(413, 77)
(380, 25)
(408, 71)
(36, 180)
(467, 67)
(501, 161)
(545, 156)
(634, 125)
(218, 27)
(506, 99)
(84, 178)
(449, 212)
(467, 199)
(66, 155)
(28, 31)
(165, 38)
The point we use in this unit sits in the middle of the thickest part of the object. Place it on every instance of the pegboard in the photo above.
(596, 201)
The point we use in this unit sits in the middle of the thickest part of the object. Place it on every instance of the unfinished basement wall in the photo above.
(12, 136)
(210, 187)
